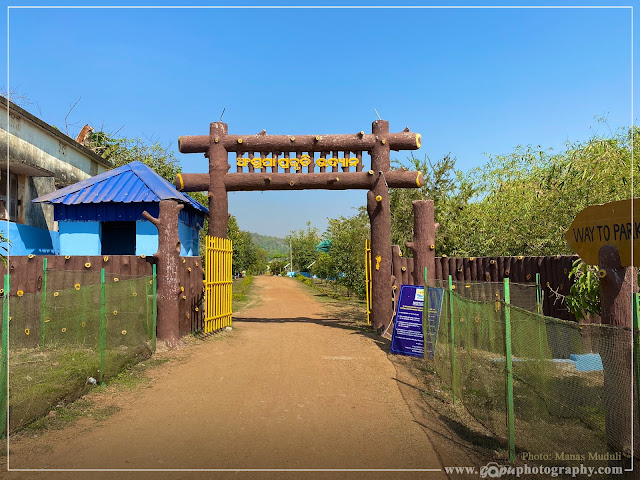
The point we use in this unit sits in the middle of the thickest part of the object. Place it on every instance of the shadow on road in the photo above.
(328, 321)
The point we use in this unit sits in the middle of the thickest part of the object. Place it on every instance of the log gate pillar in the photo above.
(379, 211)
(218, 167)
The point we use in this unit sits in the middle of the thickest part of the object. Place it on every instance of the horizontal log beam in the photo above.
(239, 182)
(303, 143)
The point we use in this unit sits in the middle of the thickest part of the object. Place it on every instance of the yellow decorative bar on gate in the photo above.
(367, 274)
(218, 283)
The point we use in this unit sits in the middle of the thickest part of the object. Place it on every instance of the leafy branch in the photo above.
(584, 295)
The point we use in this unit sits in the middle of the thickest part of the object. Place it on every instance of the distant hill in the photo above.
(273, 245)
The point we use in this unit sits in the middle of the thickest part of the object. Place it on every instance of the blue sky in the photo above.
(471, 81)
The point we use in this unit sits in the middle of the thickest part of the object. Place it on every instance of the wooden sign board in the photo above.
(607, 224)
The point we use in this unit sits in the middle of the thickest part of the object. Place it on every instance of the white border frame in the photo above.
(300, 7)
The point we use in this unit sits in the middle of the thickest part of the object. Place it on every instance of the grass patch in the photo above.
(557, 409)
(330, 288)
(126, 380)
(64, 415)
(56, 411)
(241, 288)
(349, 310)
(43, 379)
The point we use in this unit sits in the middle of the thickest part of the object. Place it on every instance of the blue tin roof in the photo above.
(120, 212)
(131, 183)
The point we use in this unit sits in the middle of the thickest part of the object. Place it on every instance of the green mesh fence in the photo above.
(572, 384)
(523, 295)
(59, 338)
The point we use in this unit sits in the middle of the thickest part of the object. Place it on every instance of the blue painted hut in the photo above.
(102, 215)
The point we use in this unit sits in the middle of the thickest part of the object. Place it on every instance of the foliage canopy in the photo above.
(520, 203)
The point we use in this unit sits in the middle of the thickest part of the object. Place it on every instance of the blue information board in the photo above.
(408, 333)
(408, 337)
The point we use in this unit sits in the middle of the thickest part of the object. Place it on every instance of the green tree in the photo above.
(303, 247)
(348, 235)
(4, 248)
(527, 199)
(521, 203)
(324, 267)
(120, 151)
(260, 265)
(276, 265)
(245, 252)
(450, 191)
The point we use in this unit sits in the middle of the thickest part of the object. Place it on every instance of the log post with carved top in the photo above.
(168, 256)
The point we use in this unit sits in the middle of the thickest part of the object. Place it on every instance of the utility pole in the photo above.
(290, 257)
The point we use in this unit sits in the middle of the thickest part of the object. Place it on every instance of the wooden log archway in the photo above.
(297, 157)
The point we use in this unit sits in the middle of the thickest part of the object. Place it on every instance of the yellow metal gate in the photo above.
(367, 273)
(218, 284)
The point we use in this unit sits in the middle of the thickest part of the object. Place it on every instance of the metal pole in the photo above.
(492, 346)
(507, 337)
(4, 372)
(426, 324)
(541, 323)
(367, 275)
(43, 303)
(103, 319)
(453, 342)
(538, 295)
(155, 309)
(290, 257)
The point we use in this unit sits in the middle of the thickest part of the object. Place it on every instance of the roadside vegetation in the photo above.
(241, 289)
(57, 376)
(52, 389)
(519, 203)
(65, 411)
(330, 289)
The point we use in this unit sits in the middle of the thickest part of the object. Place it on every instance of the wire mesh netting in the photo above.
(523, 295)
(59, 337)
(572, 383)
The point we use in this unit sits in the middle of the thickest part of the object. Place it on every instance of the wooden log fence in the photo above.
(554, 275)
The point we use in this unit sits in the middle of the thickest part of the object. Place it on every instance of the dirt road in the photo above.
(290, 388)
